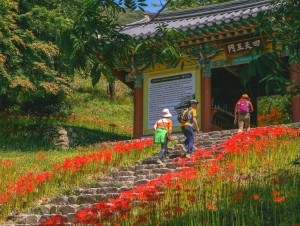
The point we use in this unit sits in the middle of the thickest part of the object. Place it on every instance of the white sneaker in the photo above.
(160, 162)
(188, 156)
(182, 148)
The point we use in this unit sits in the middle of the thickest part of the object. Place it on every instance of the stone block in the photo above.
(86, 198)
(63, 200)
(144, 181)
(65, 210)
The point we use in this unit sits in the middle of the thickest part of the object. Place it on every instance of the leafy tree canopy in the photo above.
(28, 54)
(96, 42)
(32, 67)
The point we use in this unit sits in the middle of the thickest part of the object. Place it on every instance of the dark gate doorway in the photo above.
(226, 89)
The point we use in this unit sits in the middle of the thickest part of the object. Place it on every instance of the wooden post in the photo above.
(138, 110)
(206, 99)
(295, 102)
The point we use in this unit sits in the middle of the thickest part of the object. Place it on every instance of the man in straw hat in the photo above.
(242, 111)
(162, 134)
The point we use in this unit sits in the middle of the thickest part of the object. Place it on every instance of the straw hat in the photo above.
(245, 96)
(167, 113)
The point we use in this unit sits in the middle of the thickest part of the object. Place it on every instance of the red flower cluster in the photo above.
(103, 211)
(31, 181)
(275, 117)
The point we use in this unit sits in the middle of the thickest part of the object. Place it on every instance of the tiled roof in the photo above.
(198, 17)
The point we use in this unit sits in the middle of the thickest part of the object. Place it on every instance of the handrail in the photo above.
(221, 119)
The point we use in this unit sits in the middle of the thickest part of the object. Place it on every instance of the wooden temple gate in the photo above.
(219, 39)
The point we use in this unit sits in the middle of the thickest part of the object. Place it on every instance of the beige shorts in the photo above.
(244, 121)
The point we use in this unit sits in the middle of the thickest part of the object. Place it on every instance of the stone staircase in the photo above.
(117, 181)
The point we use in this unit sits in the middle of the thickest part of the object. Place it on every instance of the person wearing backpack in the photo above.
(242, 111)
(162, 134)
(186, 125)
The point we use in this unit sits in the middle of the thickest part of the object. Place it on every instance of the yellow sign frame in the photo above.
(166, 72)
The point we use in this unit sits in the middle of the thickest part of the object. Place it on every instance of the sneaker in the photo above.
(188, 156)
(160, 162)
(182, 148)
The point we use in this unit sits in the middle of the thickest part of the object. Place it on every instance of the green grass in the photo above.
(93, 114)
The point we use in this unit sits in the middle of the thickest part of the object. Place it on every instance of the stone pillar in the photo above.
(295, 102)
(206, 99)
(138, 110)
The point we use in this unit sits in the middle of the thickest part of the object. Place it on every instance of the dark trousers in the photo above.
(189, 138)
(164, 149)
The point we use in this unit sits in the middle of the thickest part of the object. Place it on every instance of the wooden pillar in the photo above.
(206, 99)
(295, 102)
(138, 111)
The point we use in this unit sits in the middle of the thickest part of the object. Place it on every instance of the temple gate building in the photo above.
(220, 39)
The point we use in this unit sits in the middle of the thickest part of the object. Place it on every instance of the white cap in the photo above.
(167, 113)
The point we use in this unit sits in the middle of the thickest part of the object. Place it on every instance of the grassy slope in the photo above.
(91, 105)
(21, 139)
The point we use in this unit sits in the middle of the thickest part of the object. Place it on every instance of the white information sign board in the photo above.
(169, 91)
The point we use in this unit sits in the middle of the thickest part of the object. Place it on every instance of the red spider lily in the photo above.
(6, 163)
(32, 181)
(129, 129)
(43, 177)
(141, 219)
(180, 161)
(87, 216)
(178, 187)
(178, 209)
(279, 199)
(241, 143)
(255, 197)
(144, 192)
(192, 199)
(204, 153)
(275, 193)
(55, 221)
(214, 168)
(41, 155)
(100, 122)
(211, 207)
(239, 196)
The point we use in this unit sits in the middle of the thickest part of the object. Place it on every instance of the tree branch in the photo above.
(164, 6)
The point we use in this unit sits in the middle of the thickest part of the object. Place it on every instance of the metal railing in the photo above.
(221, 119)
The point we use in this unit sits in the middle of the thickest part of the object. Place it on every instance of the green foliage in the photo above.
(280, 102)
(274, 109)
(186, 4)
(90, 105)
(34, 73)
(271, 70)
(282, 26)
(27, 55)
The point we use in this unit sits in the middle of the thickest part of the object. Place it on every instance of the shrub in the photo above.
(274, 110)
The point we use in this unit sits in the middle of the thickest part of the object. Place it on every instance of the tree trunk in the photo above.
(112, 88)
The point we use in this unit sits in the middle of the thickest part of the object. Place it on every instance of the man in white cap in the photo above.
(163, 130)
